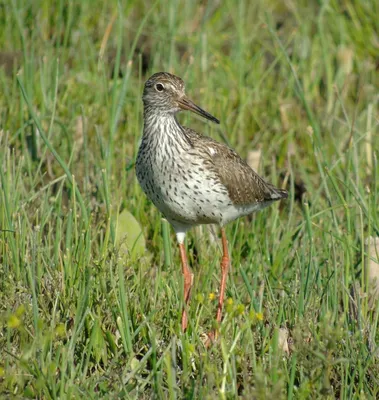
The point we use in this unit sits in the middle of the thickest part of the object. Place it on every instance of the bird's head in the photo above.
(165, 93)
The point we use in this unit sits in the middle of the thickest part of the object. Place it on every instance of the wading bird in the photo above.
(192, 179)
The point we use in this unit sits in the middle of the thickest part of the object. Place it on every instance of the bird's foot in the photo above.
(209, 339)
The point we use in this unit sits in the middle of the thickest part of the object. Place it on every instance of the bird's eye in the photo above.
(159, 87)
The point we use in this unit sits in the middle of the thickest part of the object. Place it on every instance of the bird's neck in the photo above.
(164, 128)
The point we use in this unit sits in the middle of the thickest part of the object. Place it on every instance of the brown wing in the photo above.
(244, 185)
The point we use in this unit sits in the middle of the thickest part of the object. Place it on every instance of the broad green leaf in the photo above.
(129, 236)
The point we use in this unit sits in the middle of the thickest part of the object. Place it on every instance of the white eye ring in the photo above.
(159, 87)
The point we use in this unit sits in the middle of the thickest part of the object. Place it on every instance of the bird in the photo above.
(193, 179)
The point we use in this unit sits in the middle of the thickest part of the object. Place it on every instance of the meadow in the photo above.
(90, 278)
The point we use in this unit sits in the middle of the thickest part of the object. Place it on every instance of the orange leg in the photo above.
(225, 262)
(224, 273)
(188, 279)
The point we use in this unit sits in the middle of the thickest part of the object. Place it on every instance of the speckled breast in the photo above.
(181, 187)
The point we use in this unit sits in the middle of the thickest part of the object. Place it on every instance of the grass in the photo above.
(80, 317)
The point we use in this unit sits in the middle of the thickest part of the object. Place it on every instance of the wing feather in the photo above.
(243, 184)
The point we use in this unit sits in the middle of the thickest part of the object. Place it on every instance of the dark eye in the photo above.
(159, 87)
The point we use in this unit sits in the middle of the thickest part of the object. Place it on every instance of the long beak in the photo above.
(186, 104)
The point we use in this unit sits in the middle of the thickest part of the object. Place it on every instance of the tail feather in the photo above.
(277, 194)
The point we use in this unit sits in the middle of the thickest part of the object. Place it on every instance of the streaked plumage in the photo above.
(192, 179)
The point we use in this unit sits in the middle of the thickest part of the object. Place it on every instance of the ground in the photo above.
(87, 312)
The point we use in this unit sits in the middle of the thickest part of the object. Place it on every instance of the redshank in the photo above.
(193, 179)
